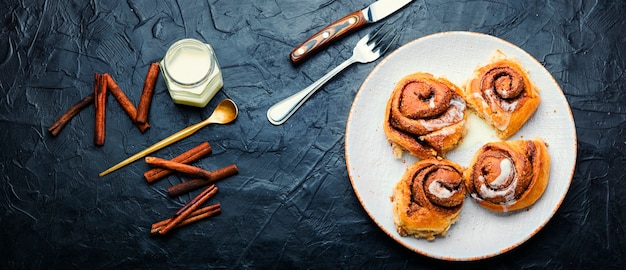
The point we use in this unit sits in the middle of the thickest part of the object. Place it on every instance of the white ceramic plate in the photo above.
(374, 171)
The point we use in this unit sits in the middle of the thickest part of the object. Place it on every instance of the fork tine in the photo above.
(382, 41)
(388, 40)
(376, 32)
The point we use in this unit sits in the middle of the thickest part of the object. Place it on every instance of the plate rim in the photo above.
(553, 211)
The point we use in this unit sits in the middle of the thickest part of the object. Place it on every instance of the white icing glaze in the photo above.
(508, 106)
(505, 105)
(437, 189)
(490, 95)
(481, 133)
(507, 169)
(446, 131)
(455, 113)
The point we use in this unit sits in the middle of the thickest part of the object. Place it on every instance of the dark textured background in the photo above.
(292, 204)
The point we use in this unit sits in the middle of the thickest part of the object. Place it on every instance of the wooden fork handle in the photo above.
(327, 35)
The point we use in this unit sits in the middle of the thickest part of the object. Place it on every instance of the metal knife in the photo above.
(355, 20)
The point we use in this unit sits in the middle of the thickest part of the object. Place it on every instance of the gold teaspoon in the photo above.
(224, 113)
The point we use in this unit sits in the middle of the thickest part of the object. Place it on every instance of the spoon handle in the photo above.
(163, 143)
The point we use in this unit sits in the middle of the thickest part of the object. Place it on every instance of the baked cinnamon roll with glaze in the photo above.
(503, 95)
(508, 176)
(425, 116)
(428, 198)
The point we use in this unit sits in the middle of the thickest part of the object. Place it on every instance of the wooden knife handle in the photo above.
(327, 35)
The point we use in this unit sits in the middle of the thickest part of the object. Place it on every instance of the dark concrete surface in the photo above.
(292, 204)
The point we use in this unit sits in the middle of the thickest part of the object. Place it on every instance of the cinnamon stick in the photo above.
(65, 118)
(146, 95)
(201, 198)
(202, 213)
(187, 157)
(100, 98)
(193, 184)
(188, 204)
(179, 167)
(126, 104)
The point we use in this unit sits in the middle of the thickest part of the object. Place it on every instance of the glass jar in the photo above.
(191, 72)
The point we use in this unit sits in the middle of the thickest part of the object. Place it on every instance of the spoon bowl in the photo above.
(224, 113)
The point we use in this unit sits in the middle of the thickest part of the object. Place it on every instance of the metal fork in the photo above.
(367, 49)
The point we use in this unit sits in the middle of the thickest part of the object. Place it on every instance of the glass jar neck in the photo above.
(189, 62)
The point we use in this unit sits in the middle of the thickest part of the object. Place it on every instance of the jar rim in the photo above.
(201, 70)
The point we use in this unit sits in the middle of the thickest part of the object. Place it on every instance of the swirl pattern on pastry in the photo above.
(425, 116)
(508, 176)
(428, 198)
(503, 94)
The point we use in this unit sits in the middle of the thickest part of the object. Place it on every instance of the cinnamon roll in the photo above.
(428, 198)
(425, 116)
(508, 176)
(503, 94)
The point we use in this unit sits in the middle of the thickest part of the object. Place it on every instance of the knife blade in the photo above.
(355, 20)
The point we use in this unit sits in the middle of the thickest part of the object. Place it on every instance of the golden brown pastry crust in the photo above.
(508, 176)
(428, 198)
(503, 94)
(425, 116)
